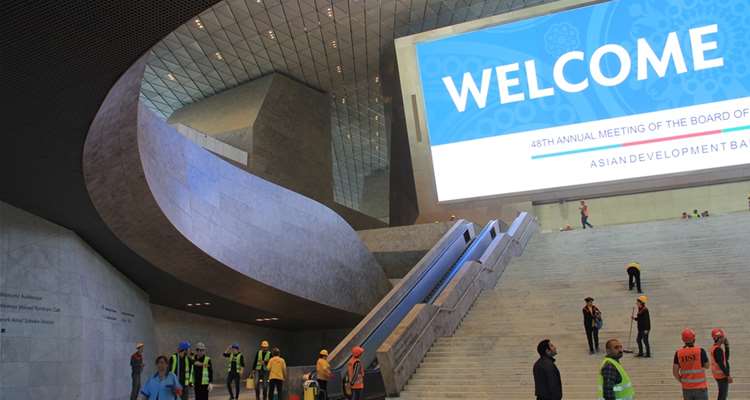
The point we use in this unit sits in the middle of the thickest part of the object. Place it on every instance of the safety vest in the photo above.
(238, 359)
(715, 369)
(692, 374)
(204, 376)
(623, 390)
(174, 362)
(358, 381)
(263, 357)
(633, 265)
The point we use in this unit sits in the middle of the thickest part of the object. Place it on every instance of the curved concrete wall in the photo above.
(69, 319)
(217, 227)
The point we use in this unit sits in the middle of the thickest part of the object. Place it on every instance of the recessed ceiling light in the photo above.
(377, 133)
(199, 24)
(218, 56)
(206, 304)
(171, 77)
(189, 304)
(343, 100)
(274, 319)
(333, 44)
(339, 69)
(329, 11)
(259, 319)
(377, 79)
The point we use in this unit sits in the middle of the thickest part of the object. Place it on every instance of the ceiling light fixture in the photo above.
(377, 79)
(333, 44)
(199, 24)
(271, 34)
(171, 77)
(218, 56)
(329, 11)
(206, 304)
(343, 100)
(339, 69)
(189, 304)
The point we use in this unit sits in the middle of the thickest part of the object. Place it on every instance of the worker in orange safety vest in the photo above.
(690, 364)
(355, 373)
(720, 362)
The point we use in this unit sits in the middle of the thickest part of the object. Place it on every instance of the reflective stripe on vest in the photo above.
(692, 374)
(175, 365)
(204, 373)
(238, 360)
(623, 390)
(715, 369)
(260, 363)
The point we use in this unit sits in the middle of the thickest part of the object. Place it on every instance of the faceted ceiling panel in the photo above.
(332, 45)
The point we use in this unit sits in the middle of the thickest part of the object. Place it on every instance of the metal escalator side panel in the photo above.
(381, 311)
(473, 252)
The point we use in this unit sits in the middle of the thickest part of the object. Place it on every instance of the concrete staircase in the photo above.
(696, 274)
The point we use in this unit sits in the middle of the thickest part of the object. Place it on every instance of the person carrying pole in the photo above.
(644, 326)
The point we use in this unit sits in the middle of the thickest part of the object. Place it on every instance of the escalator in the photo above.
(423, 284)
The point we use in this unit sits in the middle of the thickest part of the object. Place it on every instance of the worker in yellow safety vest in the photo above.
(181, 364)
(689, 368)
(634, 276)
(202, 377)
(613, 382)
(235, 366)
(260, 370)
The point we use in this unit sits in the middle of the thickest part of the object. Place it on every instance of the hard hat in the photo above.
(688, 335)
(357, 351)
(236, 346)
(139, 345)
(643, 299)
(633, 265)
(324, 352)
(200, 346)
(264, 343)
(184, 345)
(717, 333)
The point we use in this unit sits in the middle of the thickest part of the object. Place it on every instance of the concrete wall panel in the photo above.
(69, 319)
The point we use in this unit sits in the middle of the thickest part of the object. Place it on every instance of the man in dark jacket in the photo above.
(547, 383)
(644, 326)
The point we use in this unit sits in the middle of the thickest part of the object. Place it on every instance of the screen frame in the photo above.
(418, 131)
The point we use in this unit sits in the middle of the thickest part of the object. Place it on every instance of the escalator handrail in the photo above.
(459, 236)
(463, 259)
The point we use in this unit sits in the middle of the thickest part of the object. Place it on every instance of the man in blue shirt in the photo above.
(164, 385)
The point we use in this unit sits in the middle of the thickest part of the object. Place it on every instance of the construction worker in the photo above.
(181, 364)
(136, 368)
(644, 326)
(690, 363)
(634, 276)
(276, 374)
(323, 373)
(235, 366)
(260, 370)
(720, 362)
(547, 382)
(202, 376)
(355, 373)
(613, 382)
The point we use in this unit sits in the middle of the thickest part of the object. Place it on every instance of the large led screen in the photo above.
(613, 91)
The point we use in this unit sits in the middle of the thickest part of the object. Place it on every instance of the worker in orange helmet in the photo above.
(720, 362)
(690, 363)
(355, 373)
